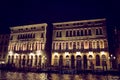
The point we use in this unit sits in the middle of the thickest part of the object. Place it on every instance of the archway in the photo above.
(67, 62)
(61, 61)
(85, 62)
(97, 60)
(72, 61)
(78, 62)
(56, 60)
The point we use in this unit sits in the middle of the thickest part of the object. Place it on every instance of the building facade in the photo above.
(26, 46)
(4, 41)
(80, 45)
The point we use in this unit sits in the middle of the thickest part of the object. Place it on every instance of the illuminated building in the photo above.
(4, 41)
(80, 44)
(26, 46)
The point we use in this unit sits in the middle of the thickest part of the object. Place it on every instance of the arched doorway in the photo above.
(12, 59)
(90, 63)
(85, 62)
(23, 61)
(36, 58)
(97, 60)
(31, 61)
(40, 60)
(67, 62)
(104, 64)
(61, 61)
(56, 60)
(72, 61)
(78, 62)
(9, 59)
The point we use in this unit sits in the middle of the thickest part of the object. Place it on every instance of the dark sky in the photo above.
(21, 12)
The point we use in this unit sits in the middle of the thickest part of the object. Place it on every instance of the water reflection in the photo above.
(47, 76)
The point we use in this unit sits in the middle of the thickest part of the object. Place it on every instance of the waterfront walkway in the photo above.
(61, 71)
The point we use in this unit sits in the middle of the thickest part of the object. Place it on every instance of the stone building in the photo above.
(80, 44)
(4, 41)
(26, 46)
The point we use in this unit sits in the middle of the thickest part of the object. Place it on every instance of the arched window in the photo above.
(74, 45)
(66, 33)
(81, 32)
(98, 46)
(66, 45)
(60, 46)
(74, 33)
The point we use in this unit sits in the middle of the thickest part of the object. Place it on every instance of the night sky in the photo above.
(21, 12)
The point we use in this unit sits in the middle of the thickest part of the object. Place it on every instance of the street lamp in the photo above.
(112, 59)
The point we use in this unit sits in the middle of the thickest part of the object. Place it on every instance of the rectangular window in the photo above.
(89, 32)
(97, 32)
(42, 35)
(66, 33)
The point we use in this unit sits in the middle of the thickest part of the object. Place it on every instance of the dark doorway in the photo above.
(97, 60)
(78, 62)
(61, 61)
(85, 62)
(72, 62)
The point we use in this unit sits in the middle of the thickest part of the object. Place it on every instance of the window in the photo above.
(42, 35)
(78, 33)
(81, 32)
(56, 34)
(70, 33)
(85, 32)
(66, 46)
(100, 31)
(97, 33)
(89, 32)
(74, 33)
(59, 34)
(66, 33)
(60, 46)
(98, 46)
(74, 45)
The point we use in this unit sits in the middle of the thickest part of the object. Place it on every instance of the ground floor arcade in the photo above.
(30, 60)
(79, 60)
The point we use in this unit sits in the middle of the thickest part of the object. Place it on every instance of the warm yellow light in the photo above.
(78, 53)
(10, 53)
(38, 52)
(90, 53)
(66, 53)
(102, 52)
(31, 54)
(55, 53)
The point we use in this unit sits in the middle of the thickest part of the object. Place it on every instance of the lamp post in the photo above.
(112, 61)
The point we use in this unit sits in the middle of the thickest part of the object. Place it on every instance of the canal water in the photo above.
(52, 76)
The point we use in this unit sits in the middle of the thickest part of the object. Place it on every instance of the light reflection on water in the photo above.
(48, 76)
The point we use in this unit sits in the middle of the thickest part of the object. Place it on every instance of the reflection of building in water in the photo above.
(80, 44)
(26, 45)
